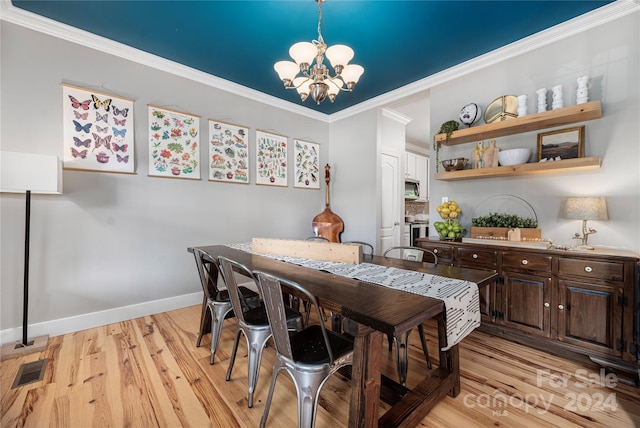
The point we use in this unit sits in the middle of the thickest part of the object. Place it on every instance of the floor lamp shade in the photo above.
(29, 173)
(20, 172)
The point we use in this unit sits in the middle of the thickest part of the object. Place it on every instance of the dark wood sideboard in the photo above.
(561, 301)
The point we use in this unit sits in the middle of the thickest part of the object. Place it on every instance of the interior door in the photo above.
(391, 210)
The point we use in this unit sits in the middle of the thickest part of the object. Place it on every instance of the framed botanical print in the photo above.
(306, 164)
(174, 144)
(228, 152)
(271, 159)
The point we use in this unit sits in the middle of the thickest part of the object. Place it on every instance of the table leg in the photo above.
(450, 359)
(365, 379)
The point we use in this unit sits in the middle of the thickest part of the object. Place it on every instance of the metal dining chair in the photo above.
(216, 306)
(310, 356)
(316, 238)
(367, 249)
(252, 322)
(402, 351)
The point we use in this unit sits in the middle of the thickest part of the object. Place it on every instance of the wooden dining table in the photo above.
(378, 311)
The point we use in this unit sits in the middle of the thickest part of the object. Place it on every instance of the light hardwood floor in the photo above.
(147, 372)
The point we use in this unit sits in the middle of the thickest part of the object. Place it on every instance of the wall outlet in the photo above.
(445, 199)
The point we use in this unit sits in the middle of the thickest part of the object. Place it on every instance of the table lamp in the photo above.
(28, 173)
(586, 208)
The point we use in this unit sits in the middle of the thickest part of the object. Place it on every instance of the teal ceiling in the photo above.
(397, 42)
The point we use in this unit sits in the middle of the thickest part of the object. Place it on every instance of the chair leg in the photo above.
(425, 350)
(203, 320)
(233, 353)
(277, 366)
(218, 312)
(402, 356)
(256, 341)
(308, 387)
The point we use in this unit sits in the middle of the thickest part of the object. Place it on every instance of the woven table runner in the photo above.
(461, 298)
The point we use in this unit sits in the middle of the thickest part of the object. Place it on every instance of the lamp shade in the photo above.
(587, 208)
(303, 52)
(339, 55)
(20, 172)
(351, 73)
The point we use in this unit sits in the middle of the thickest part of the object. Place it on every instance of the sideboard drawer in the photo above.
(528, 261)
(472, 256)
(606, 271)
(444, 252)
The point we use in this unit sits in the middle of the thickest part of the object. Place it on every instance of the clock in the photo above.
(470, 114)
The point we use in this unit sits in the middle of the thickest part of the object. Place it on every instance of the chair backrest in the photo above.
(271, 289)
(208, 272)
(410, 253)
(316, 238)
(227, 268)
(366, 246)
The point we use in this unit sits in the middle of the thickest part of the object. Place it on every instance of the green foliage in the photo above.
(446, 128)
(504, 220)
(175, 147)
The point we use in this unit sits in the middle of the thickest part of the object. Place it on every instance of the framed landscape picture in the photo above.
(560, 144)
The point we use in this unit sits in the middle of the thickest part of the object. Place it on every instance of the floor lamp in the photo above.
(28, 173)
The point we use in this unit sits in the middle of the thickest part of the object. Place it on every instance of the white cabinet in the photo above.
(406, 236)
(417, 168)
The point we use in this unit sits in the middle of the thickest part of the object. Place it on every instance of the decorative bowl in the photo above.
(514, 156)
(454, 164)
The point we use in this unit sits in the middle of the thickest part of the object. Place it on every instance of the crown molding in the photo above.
(600, 16)
(394, 115)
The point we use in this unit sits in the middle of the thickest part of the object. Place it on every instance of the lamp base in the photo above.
(15, 349)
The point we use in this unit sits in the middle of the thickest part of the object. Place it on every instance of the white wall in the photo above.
(610, 56)
(115, 240)
(353, 159)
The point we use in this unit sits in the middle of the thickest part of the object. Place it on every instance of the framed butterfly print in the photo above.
(306, 164)
(271, 159)
(228, 152)
(174, 144)
(97, 131)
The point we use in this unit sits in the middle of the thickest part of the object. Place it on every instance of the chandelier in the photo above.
(314, 79)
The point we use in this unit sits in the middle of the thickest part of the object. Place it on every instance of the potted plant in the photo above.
(446, 128)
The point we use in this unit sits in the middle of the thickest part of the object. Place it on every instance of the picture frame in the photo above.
(98, 131)
(228, 152)
(306, 157)
(567, 143)
(271, 159)
(174, 143)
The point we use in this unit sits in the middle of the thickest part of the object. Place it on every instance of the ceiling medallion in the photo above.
(314, 79)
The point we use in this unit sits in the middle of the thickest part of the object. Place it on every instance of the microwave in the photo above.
(411, 189)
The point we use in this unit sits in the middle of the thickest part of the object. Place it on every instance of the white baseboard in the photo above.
(100, 318)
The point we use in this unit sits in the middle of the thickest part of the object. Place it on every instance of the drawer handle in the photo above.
(546, 304)
(435, 251)
(588, 269)
(525, 262)
(475, 256)
(560, 307)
